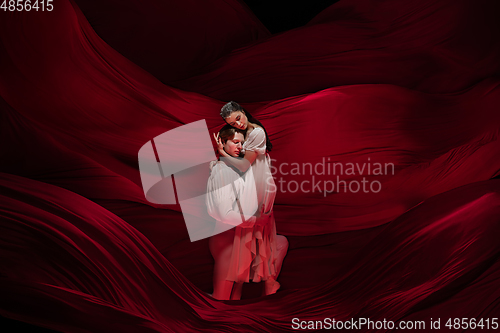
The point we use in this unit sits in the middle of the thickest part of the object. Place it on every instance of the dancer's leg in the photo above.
(221, 247)
(237, 288)
(282, 249)
(271, 285)
(222, 288)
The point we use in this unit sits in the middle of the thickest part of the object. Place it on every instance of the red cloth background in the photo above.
(85, 86)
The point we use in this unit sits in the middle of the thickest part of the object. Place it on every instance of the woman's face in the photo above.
(238, 120)
(233, 146)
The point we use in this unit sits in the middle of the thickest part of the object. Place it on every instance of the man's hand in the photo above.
(220, 146)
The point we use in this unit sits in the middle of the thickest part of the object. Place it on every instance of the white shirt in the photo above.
(223, 187)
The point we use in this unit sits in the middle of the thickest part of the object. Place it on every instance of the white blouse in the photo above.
(264, 181)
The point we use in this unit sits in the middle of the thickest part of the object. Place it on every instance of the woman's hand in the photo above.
(220, 146)
(248, 223)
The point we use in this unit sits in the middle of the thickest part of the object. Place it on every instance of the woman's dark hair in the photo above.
(232, 106)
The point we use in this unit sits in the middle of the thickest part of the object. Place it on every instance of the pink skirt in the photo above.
(254, 252)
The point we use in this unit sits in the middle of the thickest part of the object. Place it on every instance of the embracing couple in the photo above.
(241, 182)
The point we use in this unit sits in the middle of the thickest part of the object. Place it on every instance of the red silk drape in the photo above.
(414, 85)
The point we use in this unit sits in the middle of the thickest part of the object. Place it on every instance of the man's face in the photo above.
(233, 146)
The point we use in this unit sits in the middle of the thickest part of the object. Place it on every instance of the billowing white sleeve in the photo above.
(221, 195)
(256, 141)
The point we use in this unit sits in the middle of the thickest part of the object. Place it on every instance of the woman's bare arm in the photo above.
(241, 164)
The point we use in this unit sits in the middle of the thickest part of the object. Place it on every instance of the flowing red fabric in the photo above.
(365, 83)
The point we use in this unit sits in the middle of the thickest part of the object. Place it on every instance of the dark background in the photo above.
(277, 16)
(282, 15)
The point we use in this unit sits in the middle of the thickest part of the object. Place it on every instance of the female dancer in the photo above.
(258, 252)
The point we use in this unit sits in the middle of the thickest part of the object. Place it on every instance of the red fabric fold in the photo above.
(414, 85)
